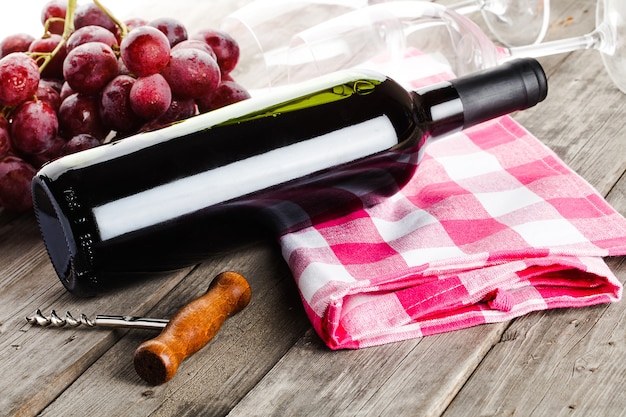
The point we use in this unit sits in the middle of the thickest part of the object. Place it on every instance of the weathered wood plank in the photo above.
(416, 377)
(298, 383)
(213, 380)
(46, 361)
(21, 245)
(559, 362)
(562, 362)
(37, 364)
(584, 134)
(603, 181)
(553, 363)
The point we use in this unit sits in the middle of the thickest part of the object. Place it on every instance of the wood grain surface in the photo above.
(266, 360)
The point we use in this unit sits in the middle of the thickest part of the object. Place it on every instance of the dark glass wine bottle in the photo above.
(166, 199)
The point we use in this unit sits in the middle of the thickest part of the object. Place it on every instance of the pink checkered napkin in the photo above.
(493, 225)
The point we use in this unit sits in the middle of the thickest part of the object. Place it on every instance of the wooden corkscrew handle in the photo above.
(192, 327)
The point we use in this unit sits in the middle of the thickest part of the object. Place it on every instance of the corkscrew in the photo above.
(192, 327)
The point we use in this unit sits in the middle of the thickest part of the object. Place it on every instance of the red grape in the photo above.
(54, 9)
(19, 78)
(90, 14)
(191, 73)
(197, 44)
(45, 92)
(178, 110)
(66, 91)
(34, 127)
(54, 69)
(175, 31)
(18, 42)
(135, 22)
(122, 70)
(15, 178)
(55, 84)
(79, 113)
(225, 47)
(150, 96)
(91, 34)
(80, 143)
(53, 152)
(145, 51)
(115, 108)
(98, 86)
(5, 138)
(228, 92)
(89, 67)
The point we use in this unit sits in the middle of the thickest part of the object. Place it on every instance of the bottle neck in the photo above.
(440, 109)
(473, 99)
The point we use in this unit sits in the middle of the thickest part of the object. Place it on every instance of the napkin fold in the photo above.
(492, 226)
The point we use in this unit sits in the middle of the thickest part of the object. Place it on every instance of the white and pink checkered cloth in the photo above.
(493, 225)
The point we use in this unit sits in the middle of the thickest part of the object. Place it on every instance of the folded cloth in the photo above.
(492, 226)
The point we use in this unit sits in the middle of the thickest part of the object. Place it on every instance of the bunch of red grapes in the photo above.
(105, 81)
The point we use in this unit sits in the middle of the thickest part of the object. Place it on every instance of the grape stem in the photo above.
(46, 26)
(5, 111)
(68, 29)
(119, 23)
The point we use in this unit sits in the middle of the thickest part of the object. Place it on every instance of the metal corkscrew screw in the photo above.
(54, 320)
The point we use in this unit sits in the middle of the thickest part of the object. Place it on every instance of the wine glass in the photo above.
(608, 38)
(512, 22)
(263, 28)
(383, 33)
(388, 29)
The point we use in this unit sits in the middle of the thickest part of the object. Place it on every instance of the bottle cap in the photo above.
(512, 86)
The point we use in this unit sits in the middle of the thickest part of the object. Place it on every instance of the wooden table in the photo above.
(267, 360)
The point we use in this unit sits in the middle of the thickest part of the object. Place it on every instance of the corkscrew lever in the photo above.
(192, 327)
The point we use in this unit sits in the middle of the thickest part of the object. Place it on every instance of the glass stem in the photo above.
(467, 6)
(591, 40)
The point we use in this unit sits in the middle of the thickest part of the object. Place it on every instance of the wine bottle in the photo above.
(165, 199)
